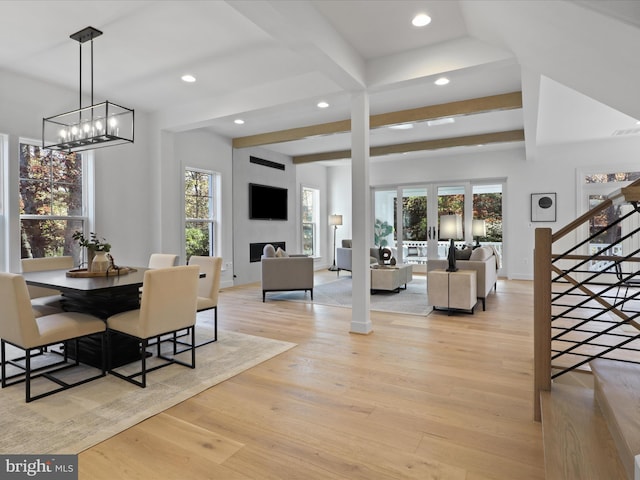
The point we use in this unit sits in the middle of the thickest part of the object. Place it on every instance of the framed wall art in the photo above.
(543, 207)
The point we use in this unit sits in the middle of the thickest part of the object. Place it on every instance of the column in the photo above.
(361, 214)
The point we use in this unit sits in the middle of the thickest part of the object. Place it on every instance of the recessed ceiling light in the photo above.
(323, 104)
(238, 121)
(421, 20)
(402, 126)
(442, 81)
(188, 78)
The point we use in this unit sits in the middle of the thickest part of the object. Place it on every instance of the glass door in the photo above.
(451, 201)
(414, 233)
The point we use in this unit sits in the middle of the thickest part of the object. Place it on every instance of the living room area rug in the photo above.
(412, 301)
(73, 420)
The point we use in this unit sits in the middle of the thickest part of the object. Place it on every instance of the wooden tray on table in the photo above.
(112, 272)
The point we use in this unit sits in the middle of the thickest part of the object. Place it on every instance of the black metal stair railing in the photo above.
(591, 317)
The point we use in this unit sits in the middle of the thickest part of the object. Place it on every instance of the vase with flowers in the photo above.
(97, 249)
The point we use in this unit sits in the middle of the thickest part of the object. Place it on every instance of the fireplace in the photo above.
(255, 249)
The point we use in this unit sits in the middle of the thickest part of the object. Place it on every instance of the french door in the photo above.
(417, 236)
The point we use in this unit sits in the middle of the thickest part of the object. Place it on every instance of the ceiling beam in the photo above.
(480, 139)
(505, 101)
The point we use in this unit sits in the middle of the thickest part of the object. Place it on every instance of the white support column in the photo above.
(361, 214)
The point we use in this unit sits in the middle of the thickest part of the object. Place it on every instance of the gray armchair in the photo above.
(343, 256)
(285, 272)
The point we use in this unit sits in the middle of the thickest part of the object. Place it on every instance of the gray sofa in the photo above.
(285, 272)
(484, 261)
(343, 256)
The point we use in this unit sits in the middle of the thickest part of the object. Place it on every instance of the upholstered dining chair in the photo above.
(45, 301)
(168, 305)
(20, 327)
(162, 260)
(208, 288)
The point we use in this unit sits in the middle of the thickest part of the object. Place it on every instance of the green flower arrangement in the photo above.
(92, 243)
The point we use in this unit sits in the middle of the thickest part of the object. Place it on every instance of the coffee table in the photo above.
(390, 278)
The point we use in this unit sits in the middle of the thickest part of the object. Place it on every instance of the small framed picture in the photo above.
(543, 207)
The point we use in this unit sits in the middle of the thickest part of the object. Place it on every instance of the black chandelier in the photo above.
(100, 125)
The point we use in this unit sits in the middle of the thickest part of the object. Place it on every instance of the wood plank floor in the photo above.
(436, 397)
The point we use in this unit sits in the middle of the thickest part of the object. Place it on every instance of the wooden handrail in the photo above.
(587, 216)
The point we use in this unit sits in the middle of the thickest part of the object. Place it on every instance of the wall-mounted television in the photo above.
(267, 203)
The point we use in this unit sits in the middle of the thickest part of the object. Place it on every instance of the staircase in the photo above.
(593, 433)
(587, 350)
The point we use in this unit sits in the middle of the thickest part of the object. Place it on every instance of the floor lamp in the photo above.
(334, 221)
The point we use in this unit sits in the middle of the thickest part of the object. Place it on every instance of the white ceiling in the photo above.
(269, 62)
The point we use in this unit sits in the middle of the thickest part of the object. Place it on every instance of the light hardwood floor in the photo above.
(435, 397)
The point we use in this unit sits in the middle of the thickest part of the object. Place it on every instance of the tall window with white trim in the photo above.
(51, 202)
(310, 219)
(200, 212)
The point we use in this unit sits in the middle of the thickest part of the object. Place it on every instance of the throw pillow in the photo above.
(481, 254)
(463, 254)
(346, 243)
(268, 251)
(281, 253)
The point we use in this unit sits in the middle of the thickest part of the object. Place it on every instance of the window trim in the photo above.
(88, 192)
(215, 208)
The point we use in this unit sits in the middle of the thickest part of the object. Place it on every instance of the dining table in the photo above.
(102, 296)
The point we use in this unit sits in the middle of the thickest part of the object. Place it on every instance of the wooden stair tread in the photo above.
(577, 443)
(617, 390)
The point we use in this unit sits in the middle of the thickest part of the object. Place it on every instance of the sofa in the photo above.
(484, 260)
(343, 256)
(284, 272)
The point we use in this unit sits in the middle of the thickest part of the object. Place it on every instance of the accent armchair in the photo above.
(284, 273)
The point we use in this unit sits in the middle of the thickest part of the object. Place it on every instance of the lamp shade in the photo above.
(479, 228)
(451, 226)
(335, 220)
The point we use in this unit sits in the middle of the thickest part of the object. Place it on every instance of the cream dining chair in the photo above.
(45, 301)
(162, 260)
(20, 327)
(168, 305)
(208, 288)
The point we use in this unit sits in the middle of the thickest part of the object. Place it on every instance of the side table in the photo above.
(452, 291)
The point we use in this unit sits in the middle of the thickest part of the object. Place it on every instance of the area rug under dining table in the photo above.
(74, 420)
(413, 300)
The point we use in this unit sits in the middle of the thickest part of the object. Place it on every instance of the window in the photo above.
(200, 190)
(487, 206)
(51, 202)
(310, 217)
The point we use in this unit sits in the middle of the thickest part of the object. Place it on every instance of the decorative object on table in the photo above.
(543, 207)
(334, 221)
(385, 256)
(94, 126)
(93, 244)
(100, 262)
(478, 229)
(451, 228)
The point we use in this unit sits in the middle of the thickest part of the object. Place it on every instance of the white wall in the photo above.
(554, 170)
(246, 231)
